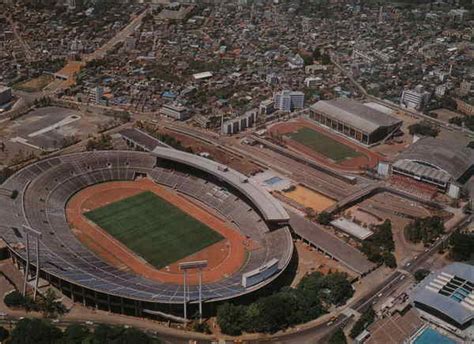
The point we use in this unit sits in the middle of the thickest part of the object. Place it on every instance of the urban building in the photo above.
(5, 94)
(240, 123)
(288, 100)
(175, 111)
(415, 99)
(355, 120)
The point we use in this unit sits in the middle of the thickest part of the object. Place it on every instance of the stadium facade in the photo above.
(446, 163)
(36, 196)
(355, 120)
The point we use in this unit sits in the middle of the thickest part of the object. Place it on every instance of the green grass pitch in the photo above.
(154, 228)
(323, 144)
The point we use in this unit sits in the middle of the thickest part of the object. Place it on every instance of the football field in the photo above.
(154, 228)
(323, 144)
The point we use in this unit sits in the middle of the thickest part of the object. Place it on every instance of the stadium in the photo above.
(118, 227)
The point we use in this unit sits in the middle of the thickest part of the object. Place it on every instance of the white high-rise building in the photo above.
(288, 100)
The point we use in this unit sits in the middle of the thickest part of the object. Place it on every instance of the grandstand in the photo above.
(45, 187)
(444, 163)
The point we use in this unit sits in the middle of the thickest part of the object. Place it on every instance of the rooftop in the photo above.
(449, 154)
(355, 114)
(449, 291)
(270, 208)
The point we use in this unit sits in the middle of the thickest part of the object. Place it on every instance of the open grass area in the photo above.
(34, 85)
(153, 228)
(323, 144)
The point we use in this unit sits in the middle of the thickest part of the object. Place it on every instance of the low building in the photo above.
(266, 107)
(5, 94)
(355, 120)
(175, 111)
(447, 295)
(464, 107)
(240, 123)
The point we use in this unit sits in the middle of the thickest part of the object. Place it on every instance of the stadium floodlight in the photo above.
(185, 266)
(37, 235)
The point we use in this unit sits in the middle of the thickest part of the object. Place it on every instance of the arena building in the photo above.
(39, 197)
(355, 120)
(447, 295)
(446, 163)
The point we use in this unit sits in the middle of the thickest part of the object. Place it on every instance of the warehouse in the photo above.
(355, 120)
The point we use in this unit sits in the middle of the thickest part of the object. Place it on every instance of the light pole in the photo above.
(200, 264)
(37, 235)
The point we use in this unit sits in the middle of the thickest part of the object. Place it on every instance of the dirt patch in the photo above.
(224, 258)
(310, 199)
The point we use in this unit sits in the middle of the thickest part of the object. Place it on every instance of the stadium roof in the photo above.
(144, 140)
(449, 291)
(270, 208)
(449, 154)
(355, 114)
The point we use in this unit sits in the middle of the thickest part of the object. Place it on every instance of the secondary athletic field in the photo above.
(324, 146)
(153, 228)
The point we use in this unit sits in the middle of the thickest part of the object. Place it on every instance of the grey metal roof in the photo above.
(427, 292)
(317, 236)
(450, 154)
(145, 140)
(355, 114)
(271, 208)
(422, 170)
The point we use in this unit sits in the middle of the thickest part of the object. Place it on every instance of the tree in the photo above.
(425, 230)
(231, 319)
(14, 299)
(103, 142)
(364, 321)
(423, 128)
(76, 334)
(50, 306)
(324, 218)
(4, 333)
(462, 245)
(35, 331)
(338, 337)
(420, 274)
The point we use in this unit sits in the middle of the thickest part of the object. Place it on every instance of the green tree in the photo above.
(35, 331)
(461, 246)
(338, 337)
(231, 319)
(4, 333)
(324, 218)
(420, 274)
(50, 305)
(75, 334)
(364, 321)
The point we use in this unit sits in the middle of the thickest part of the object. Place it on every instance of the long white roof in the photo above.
(270, 208)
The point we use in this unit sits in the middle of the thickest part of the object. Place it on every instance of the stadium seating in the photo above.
(45, 188)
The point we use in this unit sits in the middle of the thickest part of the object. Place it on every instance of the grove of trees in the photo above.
(424, 230)
(287, 307)
(380, 246)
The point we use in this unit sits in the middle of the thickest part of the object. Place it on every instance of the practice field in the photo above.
(153, 228)
(323, 144)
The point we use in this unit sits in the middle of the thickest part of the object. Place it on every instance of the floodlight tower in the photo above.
(37, 235)
(200, 264)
